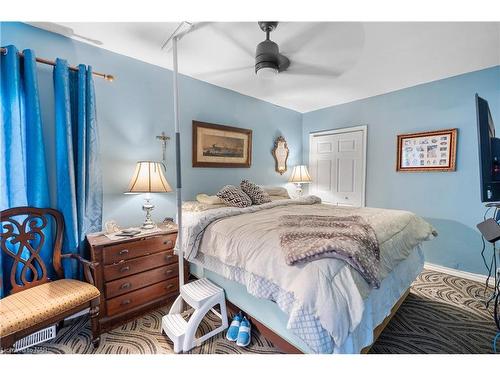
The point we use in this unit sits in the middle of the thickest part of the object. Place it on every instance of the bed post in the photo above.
(178, 164)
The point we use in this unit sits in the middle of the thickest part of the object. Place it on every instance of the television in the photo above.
(489, 153)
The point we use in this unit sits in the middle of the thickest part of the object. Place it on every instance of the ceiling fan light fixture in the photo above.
(267, 72)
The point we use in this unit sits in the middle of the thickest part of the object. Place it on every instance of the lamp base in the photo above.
(148, 207)
(299, 189)
(146, 225)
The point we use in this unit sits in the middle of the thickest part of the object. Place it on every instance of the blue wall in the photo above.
(450, 201)
(138, 106)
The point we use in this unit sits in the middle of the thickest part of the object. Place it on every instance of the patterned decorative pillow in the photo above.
(256, 193)
(234, 196)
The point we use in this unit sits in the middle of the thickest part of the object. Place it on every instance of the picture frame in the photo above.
(431, 151)
(280, 153)
(221, 146)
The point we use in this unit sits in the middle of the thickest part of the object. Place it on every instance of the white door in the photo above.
(337, 166)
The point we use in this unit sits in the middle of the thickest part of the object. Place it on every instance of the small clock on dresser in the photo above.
(134, 275)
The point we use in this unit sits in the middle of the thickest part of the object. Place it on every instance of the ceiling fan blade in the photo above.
(221, 72)
(216, 28)
(299, 68)
(230, 37)
(295, 42)
(283, 62)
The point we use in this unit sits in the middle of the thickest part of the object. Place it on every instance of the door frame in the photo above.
(364, 130)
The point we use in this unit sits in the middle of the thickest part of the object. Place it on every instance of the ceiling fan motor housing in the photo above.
(268, 26)
(267, 55)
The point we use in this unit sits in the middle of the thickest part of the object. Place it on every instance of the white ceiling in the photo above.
(356, 59)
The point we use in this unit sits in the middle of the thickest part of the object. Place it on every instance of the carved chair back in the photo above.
(22, 239)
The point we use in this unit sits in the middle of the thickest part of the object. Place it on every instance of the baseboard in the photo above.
(454, 272)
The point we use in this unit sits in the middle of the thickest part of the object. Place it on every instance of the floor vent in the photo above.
(35, 338)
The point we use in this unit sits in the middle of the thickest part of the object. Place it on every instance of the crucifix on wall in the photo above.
(163, 138)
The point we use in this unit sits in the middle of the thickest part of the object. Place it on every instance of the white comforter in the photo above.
(328, 288)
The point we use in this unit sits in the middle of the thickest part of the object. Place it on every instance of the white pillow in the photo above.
(194, 206)
(276, 191)
(209, 199)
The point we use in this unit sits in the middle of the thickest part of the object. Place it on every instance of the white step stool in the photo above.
(202, 295)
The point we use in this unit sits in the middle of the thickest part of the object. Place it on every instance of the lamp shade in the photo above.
(300, 175)
(148, 178)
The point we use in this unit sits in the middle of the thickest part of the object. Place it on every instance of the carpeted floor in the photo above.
(442, 314)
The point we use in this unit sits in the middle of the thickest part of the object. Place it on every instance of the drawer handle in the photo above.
(169, 256)
(123, 252)
(169, 286)
(125, 286)
(168, 272)
(125, 269)
(168, 242)
(125, 302)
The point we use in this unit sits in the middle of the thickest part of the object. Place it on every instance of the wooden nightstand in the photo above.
(134, 275)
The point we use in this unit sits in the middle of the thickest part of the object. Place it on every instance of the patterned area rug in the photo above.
(442, 314)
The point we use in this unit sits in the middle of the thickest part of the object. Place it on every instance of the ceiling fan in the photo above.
(268, 59)
(269, 62)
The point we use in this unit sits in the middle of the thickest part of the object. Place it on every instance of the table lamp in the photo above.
(148, 178)
(300, 176)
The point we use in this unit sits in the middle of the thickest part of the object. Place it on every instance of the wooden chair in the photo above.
(36, 302)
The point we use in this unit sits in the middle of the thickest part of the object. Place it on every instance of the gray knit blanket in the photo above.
(306, 238)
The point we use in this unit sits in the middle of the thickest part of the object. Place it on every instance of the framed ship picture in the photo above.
(427, 151)
(221, 146)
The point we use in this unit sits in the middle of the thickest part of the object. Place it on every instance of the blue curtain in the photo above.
(23, 173)
(78, 173)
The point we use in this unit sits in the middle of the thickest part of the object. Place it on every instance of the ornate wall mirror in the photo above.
(280, 153)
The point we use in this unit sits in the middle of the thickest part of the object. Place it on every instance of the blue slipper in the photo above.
(244, 333)
(232, 332)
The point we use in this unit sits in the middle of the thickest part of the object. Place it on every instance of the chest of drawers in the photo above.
(134, 275)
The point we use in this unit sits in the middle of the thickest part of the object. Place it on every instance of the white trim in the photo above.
(364, 130)
(451, 271)
(340, 130)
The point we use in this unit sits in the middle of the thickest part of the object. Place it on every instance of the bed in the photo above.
(323, 306)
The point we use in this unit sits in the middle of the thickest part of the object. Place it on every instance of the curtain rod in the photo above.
(107, 77)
